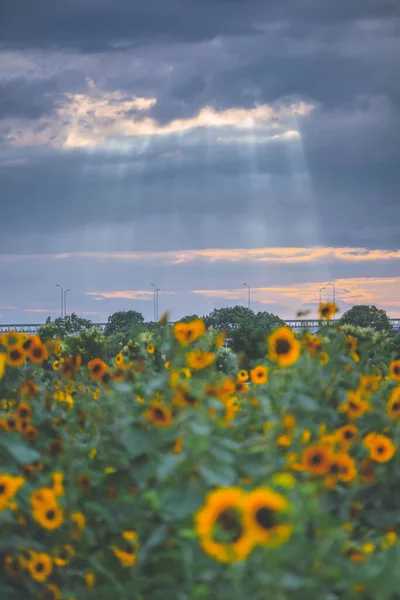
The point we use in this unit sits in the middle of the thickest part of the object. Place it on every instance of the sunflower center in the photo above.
(96, 369)
(334, 469)
(396, 406)
(348, 435)
(2, 489)
(23, 413)
(15, 355)
(325, 311)
(316, 459)
(229, 527)
(265, 518)
(396, 369)
(189, 399)
(380, 449)
(159, 414)
(50, 515)
(39, 567)
(353, 406)
(282, 346)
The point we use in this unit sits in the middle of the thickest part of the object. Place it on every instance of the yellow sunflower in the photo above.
(127, 557)
(186, 333)
(200, 359)
(243, 375)
(9, 486)
(381, 448)
(15, 356)
(354, 406)
(221, 528)
(259, 375)
(97, 369)
(159, 414)
(327, 310)
(283, 347)
(351, 343)
(119, 359)
(48, 516)
(37, 352)
(347, 436)
(63, 554)
(393, 405)
(263, 517)
(394, 370)
(40, 566)
(317, 459)
(150, 348)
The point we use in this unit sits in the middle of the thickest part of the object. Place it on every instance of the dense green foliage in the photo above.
(367, 316)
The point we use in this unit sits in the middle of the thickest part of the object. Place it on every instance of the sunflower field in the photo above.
(160, 477)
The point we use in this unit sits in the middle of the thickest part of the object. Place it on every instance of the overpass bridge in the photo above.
(296, 324)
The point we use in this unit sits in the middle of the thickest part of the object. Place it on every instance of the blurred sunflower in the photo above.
(381, 448)
(316, 459)
(393, 405)
(259, 375)
(200, 359)
(327, 310)
(263, 517)
(37, 352)
(186, 333)
(97, 369)
(159, 414)
(394, 370)
(283, 347)
(220, 526)
(40, 566)
(15, 356)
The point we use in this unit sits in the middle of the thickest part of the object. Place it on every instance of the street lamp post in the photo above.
(320, 298)
(62, 298)
(156, 290)
(334, 292)
(248, 289)
(65, 302)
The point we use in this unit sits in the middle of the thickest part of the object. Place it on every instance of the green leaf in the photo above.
(219, 474)
(182, 501)
(23, 454)
(200, 428)
(138, 441)
(167, 465)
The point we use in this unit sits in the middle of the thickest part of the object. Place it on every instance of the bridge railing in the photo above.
(293, 323)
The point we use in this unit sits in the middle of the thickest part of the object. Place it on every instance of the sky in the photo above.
(198, 145)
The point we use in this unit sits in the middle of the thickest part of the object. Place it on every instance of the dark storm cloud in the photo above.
(96, 24)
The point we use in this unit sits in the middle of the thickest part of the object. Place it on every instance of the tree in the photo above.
(89, 343)
(230, 318)
(189, 318)
(363, 315)
(249, 340)
(64, 326)
(123, 321)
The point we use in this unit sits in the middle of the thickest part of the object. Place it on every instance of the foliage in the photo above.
(367, 316)
(160, 476)
(63, 326)
(90, 343)
(230, 318)
(226, 361)
(123, 321)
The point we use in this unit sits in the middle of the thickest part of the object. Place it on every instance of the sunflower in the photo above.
(9, 486)
(37, 352)
(84, 482)
(369, 384)
(200, 359)
(240, 388)
(283, 347)
(11, 423)
(394, 370)
(221, 528)
(184, 398)
(70, 365)
(79, 524)
(11, 338)
(317, 459)
(30, 433)
(354, 406)
(15, 356)
(159, 414)
(52, 592)
(3, 360)
(327, 310)
(97, 368)
(187, 333)
(393, 405)
(178, 378)
(119, 359)
(259, 375)
(49, 516)
(323, 358)
(150, 348)
(347, 436)
(12, 566)
(381, 448)
(63, 554)
(28, 389)
(312, 343)
(127, 557)
(40, 566)
(351, 343)
(243, 375)
(342, 468)
(263, 508)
